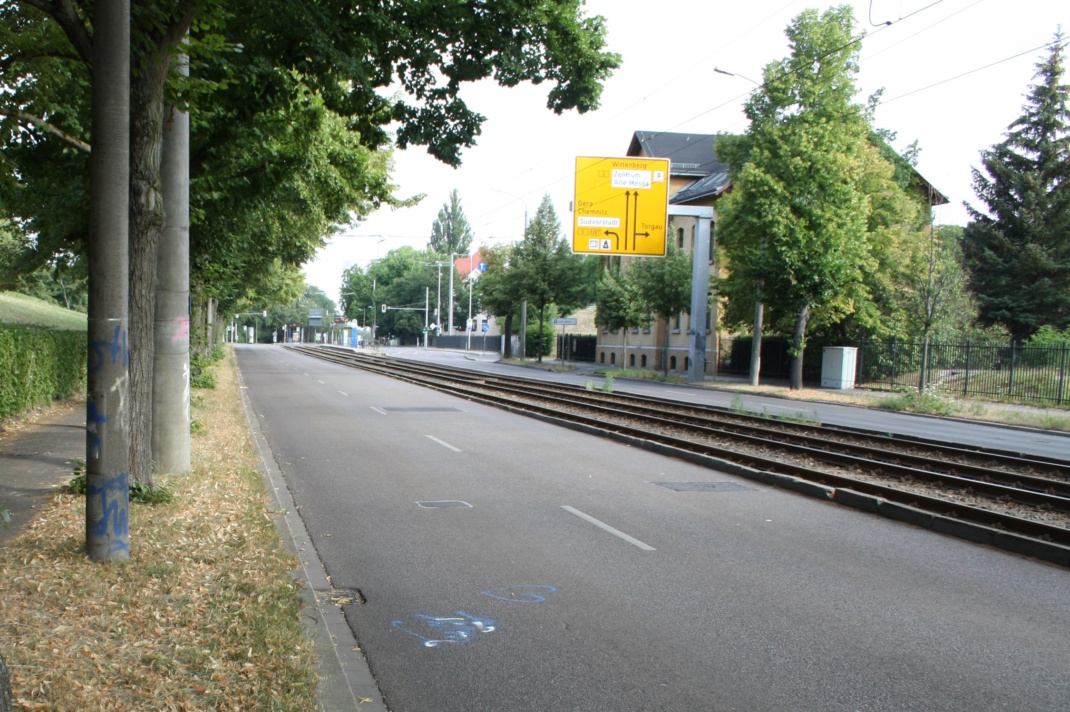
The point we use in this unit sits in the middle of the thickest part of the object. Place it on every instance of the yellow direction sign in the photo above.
(621, 206)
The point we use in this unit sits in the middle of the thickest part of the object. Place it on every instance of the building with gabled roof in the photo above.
(697, 178)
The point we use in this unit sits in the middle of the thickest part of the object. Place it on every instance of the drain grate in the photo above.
(420, 409)
(705, 487)
(444, 504)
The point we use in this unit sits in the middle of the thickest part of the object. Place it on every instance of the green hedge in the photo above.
(38, 366)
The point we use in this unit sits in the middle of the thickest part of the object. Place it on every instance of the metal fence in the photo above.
(577, 347)
(1008, 371)
(1015, 371)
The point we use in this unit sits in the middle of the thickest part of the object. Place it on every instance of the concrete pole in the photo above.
(450, 308)
(107, 461)
(171, 371)
(756, 341)
(700, 284)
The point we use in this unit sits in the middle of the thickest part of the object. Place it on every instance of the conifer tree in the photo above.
(451, 232)
(1018, 250)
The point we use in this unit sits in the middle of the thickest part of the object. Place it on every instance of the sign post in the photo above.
(621, 206)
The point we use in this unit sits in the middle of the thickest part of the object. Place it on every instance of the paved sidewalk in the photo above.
(36, 458)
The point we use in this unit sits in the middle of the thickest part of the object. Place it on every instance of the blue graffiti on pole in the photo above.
(93, 419)
(114, 508)
(436, 631)
(521, 593)
(117, 346)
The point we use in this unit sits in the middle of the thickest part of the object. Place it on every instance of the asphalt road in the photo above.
(508, 564)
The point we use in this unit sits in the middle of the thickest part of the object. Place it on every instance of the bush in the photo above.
(533, 342)
(38, 366)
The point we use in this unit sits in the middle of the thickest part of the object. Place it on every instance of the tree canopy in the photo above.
(1018, 250)
(797, 217)
(545, 270)
(451, 233)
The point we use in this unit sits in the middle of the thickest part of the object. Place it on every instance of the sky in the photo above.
(955, 74)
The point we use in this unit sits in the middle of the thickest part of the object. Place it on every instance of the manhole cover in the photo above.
(419, 409)
(444, 504)
(704, 486)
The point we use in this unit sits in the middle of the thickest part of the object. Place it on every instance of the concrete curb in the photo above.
(345, 681)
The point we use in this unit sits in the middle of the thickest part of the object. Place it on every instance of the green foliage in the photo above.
(139, 493)
(39, 366)
(1018, 250)
(1048, 336)
(929, 402)
(796, 225)
(544, 269)
(143, 494)
(202, 371)
(77, 485)
(607, 385)
(451, 233)
(538, 347)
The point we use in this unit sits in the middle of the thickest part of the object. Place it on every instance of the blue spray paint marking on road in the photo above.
(99, 350)
(436, 631)
(521, 593)
(93, 418)
(458, 628)
(113, 512)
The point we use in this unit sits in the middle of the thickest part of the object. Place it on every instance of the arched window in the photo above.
(680, 237)
(631, 361)
(601, 356)
(613, 358)
(672, 363)
(642, 361)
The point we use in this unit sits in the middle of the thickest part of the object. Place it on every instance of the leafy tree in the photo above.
(498, 289)
(451, 233)
(1018, 254)
(796, 219)
(546, 270)
(338, 50)
(664, 287)
(619, 305)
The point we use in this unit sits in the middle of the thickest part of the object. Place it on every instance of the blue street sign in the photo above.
(486, 326)
(482, 266)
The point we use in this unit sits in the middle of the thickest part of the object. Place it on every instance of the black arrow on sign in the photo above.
(617, 248)
(627, 208)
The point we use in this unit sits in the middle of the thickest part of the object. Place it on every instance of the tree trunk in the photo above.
(147, 221)
(5, 687)
(507, 335)
(798, 342)
(538, 341)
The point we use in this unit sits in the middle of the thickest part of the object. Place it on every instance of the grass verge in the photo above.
(205, 615)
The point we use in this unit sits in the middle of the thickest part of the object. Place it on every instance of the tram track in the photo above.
(1009, 500)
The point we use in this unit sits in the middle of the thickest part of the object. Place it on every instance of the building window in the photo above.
(676, 322)
(672, 363)
(631, 361)
(642, 361)
(613, 358)
(601, 356)
(680, 237)
(687, 363)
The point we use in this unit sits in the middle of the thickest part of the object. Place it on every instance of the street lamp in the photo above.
(733, 74)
